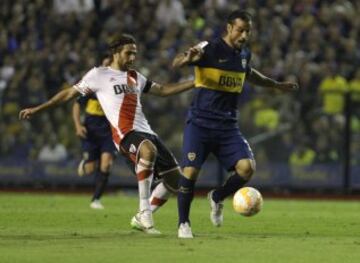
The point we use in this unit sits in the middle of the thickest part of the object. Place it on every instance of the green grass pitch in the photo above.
(62, 228)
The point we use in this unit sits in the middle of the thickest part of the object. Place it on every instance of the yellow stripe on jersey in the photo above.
(217, 79)
(93, 108)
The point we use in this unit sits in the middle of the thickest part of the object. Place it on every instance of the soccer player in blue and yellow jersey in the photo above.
(221, 68)
(97, 144)
(96, 141)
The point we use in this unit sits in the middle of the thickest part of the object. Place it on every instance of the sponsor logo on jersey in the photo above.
(123, 88)
(218, 79)
(227, 81)
(191, 156)
(223, 60)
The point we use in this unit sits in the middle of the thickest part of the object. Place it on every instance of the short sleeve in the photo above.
(143, 83)
(87, 85)
(248, 66)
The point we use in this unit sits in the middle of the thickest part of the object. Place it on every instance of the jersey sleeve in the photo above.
(144, 83)
(87, 85)
(248, 64)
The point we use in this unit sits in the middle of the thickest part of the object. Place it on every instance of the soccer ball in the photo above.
(247, 201)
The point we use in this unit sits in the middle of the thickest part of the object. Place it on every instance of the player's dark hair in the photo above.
(243, 15)
(117, 42)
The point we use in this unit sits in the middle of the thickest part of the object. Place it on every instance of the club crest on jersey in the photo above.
(243, 63)
(132, 148)
(191, 156)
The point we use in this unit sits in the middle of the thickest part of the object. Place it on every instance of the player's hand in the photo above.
(287, 86)
(193, 54)
(26, 114)
(81, 131)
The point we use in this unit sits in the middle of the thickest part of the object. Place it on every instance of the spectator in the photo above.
(68, 6)
(324, 152)
(302, 155)
(52, 151)
(170, 12)
(333, 88)
(44, 44)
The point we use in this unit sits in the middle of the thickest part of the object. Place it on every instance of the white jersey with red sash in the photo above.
(119, 95)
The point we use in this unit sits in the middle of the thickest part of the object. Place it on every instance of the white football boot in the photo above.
(216, 215)
(143, 221)
(96, 204)
(81, 168)
(184, 231)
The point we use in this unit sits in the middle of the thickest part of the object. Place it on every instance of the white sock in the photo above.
(159, 197)
(144, 173)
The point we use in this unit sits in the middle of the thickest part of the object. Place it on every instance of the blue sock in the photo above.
(232, 184)
(185, 197)
(101, 179)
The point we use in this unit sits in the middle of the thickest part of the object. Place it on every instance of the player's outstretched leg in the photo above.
(244, 169)
(168, 186)
(143, 220)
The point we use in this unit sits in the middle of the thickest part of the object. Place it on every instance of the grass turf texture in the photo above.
(62, 228)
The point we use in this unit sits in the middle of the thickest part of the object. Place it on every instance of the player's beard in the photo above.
(124, 66)
(240, 44)
(128, 65)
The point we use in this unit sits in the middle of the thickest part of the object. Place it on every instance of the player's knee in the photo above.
(245, 168)
(89, 167)
(190, 173)
(105, 167)
(246, 174)
(148, 150)
(106, 162)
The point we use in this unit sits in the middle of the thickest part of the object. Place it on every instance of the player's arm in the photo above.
(192, 55)
(79, 127)
(256, 78)
(170, 89)
(61, 97)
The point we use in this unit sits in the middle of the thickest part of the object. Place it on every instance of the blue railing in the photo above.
(37, 174)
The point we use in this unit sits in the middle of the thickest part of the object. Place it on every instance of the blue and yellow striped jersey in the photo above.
(219, 81)
(95, 120)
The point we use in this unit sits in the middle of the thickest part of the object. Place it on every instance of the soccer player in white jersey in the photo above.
(118, 88)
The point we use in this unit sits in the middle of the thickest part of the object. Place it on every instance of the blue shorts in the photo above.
(228, 146)
(94, 146)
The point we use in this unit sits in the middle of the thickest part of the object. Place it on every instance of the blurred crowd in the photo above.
(46, 46)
